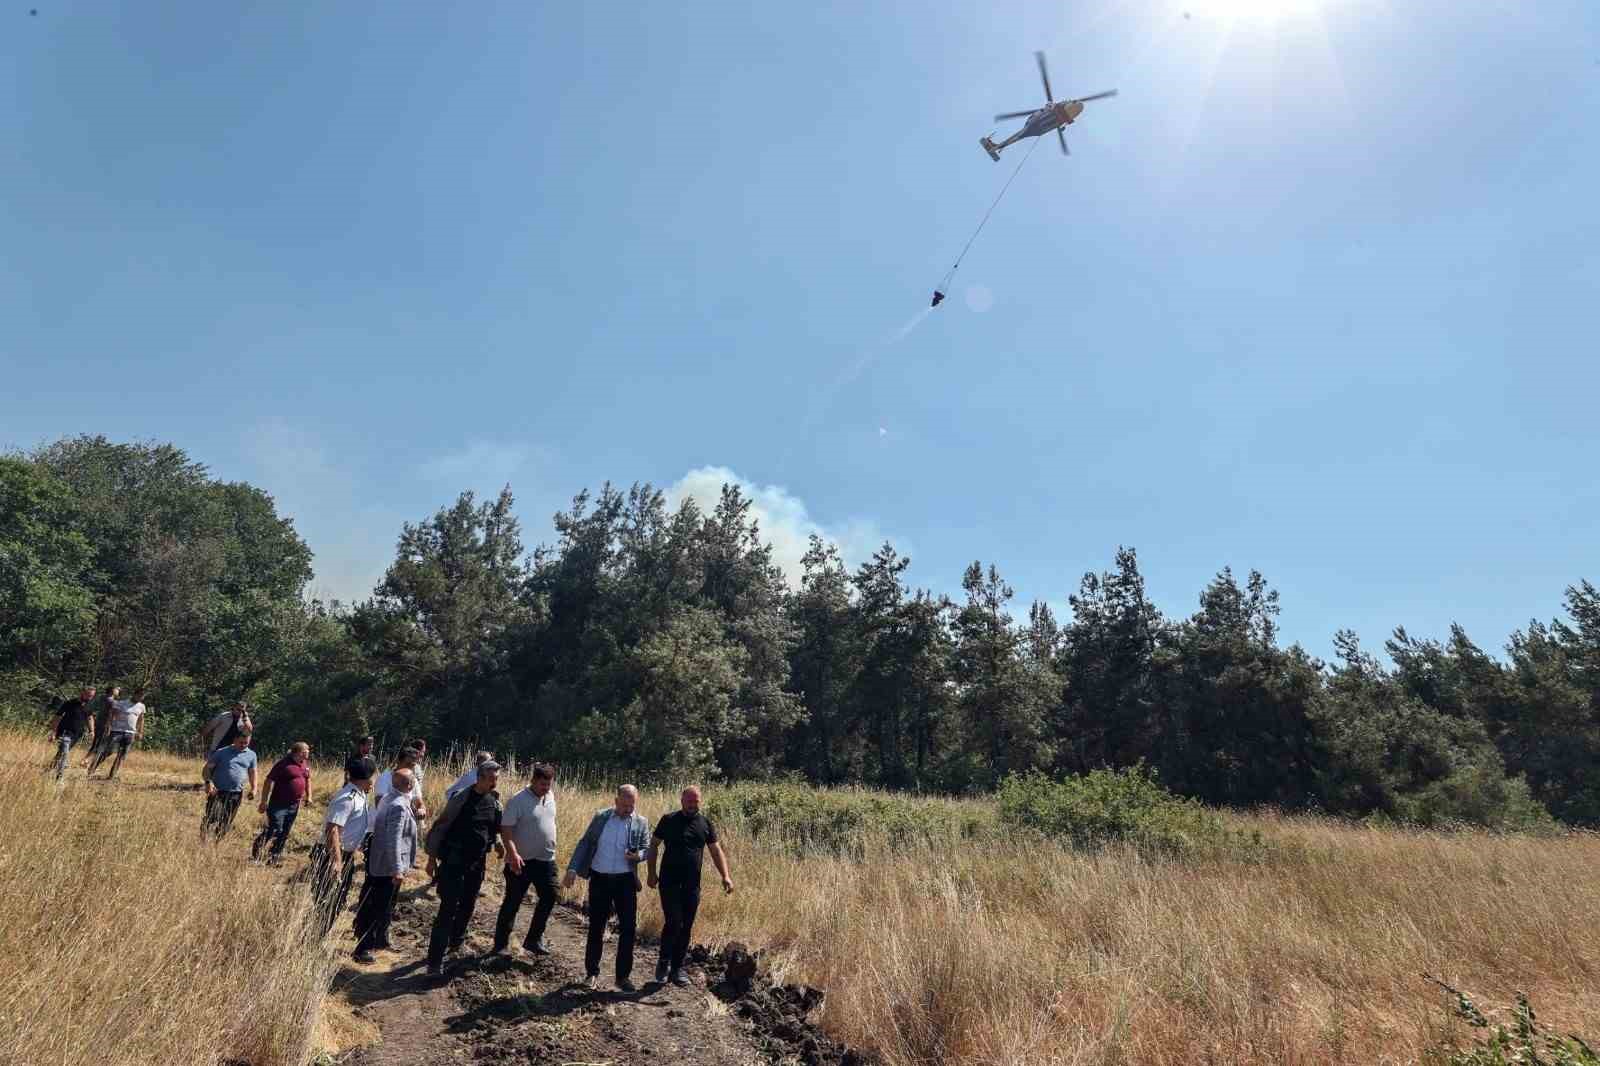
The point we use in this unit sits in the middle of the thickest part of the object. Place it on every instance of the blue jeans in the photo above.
(280, 820)
(64, 744)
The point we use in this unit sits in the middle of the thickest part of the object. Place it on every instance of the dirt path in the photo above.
(521, 1008)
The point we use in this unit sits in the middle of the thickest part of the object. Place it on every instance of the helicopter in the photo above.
(1041, 120)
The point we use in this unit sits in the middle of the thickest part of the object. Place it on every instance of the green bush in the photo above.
(1094, 809)
(1521, 1041)
(1477, 796)
(846, 821)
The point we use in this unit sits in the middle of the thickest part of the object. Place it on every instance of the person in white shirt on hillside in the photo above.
(126, 728)
(407, 761)
(470, 777)
(344, 829)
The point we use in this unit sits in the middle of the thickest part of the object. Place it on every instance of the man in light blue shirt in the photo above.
(227, 771)
(609, 855)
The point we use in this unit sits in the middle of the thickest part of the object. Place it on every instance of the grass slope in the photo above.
(123, 941)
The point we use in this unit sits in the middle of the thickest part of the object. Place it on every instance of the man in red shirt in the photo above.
(288, 783)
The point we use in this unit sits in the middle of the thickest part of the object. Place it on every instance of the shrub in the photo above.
(1476, 795)
(848, 822)
(1093, 809)
(1523, 1040)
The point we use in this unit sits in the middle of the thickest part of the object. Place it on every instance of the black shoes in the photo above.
(538, 947)
(364, 956)
(661, 973)
(680, 978)
(625, 985)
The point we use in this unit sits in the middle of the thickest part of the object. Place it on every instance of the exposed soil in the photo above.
(519, 1008)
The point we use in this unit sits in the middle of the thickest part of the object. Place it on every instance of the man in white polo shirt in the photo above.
(528, 831)
(126, 726)
(333, 863)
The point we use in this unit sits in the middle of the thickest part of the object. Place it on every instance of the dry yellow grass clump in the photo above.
(122, 940)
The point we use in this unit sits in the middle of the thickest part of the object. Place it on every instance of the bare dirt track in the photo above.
(518, 1008)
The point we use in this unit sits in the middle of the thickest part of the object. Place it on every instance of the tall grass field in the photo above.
(941, 932)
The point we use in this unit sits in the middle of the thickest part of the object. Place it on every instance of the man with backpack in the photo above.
(459, 843)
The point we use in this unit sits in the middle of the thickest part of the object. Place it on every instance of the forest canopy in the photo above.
(667, 640)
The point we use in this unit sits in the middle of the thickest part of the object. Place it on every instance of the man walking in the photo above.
(221, 729)
(74, 720)
(102, 722)
(226, 772)
(459, 843)
(288, 784)
(344, 828)
(394, 849)
(528, 831)
(126, 727)
(609, 856)
(683, 835)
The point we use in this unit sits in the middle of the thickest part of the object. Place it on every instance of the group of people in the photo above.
(382, 817)
(105, 723)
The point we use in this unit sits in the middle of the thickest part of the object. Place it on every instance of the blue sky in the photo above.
(1315, 294)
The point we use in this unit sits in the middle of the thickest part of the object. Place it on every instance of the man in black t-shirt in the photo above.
(74, 719)
(460, 841)
(683, 836)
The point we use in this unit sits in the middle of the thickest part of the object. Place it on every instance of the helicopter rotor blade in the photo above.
(1044, 76)
(1097, 96)
(1014, 114)
(1063, 139)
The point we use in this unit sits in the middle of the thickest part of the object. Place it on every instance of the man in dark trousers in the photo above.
(394, 850)
(102, 721)
(73, 721)
(227, 771)
(528, 831)
(344, 830)
(609, 855)
(682, 837)
(459, 842)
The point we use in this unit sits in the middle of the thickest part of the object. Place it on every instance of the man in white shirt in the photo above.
(406, 761)
(125, 727)
(609, 855)
(333, 864)
(528, 832)
(470, 778)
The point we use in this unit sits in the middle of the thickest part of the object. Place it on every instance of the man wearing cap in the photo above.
(459, 843)
(344, 829)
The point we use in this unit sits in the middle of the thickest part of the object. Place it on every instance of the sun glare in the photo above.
(1263, 10)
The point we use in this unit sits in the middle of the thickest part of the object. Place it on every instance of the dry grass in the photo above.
(1018, 954)
(122, 941)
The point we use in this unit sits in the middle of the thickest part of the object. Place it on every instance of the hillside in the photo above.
(930, 947)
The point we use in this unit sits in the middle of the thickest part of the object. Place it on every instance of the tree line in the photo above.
(667, 639)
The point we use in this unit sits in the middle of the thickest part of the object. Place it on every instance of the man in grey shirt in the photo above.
(528, 832)
(394, 850)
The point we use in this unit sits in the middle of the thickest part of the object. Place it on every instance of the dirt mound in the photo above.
(779, 1015)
